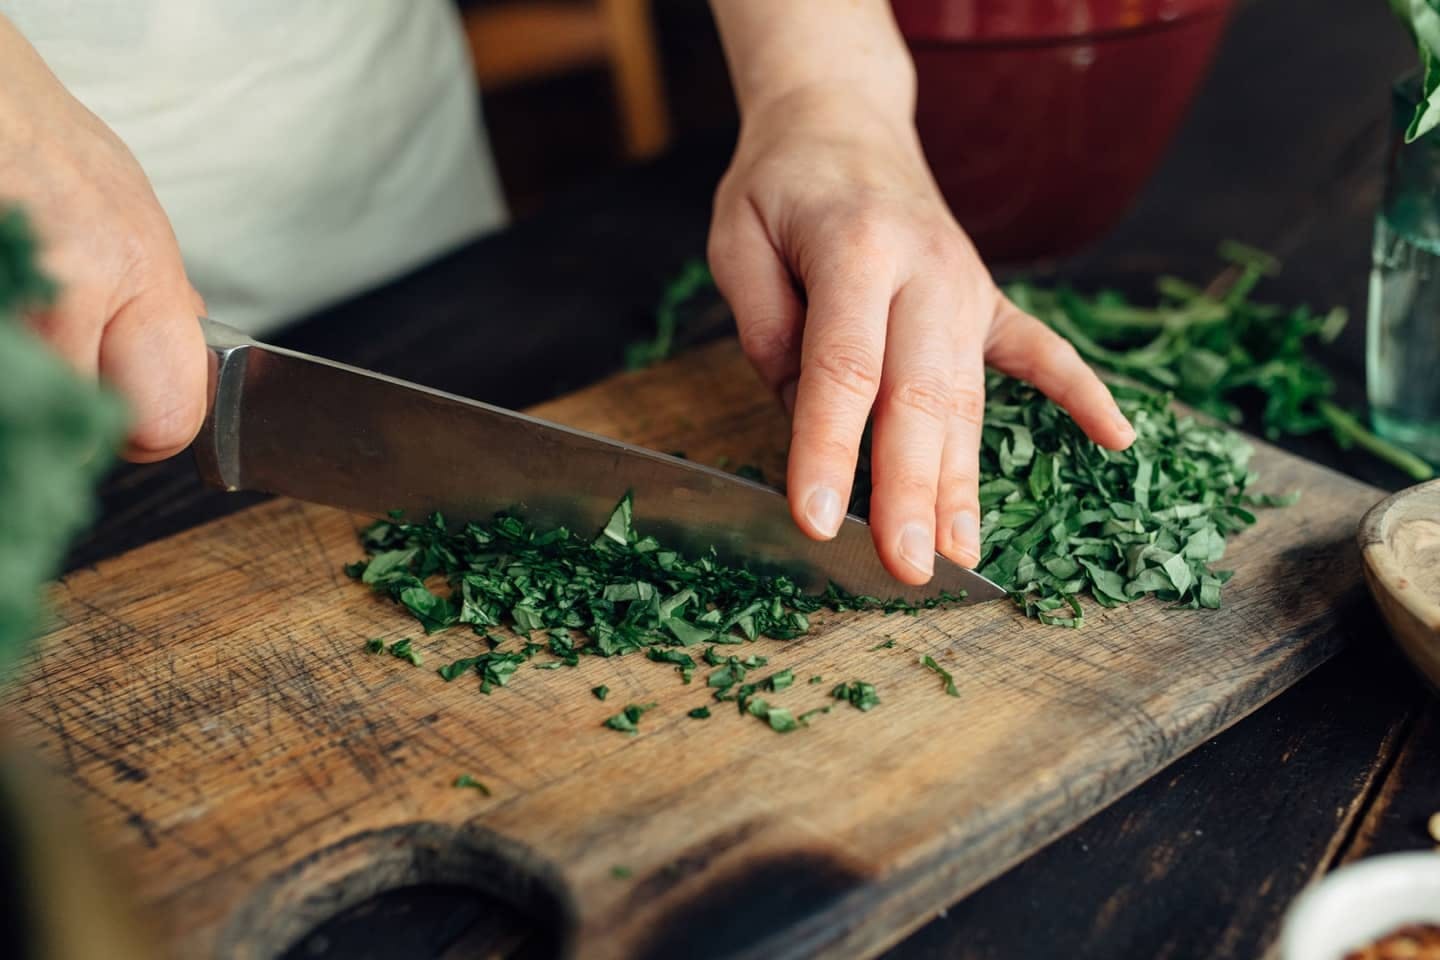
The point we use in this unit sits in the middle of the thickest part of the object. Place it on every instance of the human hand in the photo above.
(126, 310)
(856, 292)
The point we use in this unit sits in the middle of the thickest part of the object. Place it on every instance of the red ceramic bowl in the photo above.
(1043, 118)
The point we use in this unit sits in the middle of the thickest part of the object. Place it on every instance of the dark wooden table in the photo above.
(1283, 149)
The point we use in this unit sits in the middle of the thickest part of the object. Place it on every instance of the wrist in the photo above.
(883, 83)
(827, 114)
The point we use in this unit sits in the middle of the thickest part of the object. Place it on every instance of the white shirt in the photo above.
(303, 149)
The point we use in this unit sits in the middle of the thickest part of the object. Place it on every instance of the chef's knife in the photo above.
(286, 423)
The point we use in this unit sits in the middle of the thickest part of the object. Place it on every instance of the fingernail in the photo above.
(917, 546)
(965, 532)
(1123, 423)
(787, 397)
(824, 512)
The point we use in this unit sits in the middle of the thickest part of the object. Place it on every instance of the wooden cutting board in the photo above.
(210, 700)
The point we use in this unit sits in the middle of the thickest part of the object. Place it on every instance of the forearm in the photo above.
(812, 50)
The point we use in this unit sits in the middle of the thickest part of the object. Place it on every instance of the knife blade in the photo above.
(286, 423)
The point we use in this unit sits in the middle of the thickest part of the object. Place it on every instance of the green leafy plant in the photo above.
(57, 432)
(1213, 350)
(694, 278)
(1423, 19)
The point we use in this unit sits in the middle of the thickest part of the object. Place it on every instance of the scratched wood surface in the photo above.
(209, 699)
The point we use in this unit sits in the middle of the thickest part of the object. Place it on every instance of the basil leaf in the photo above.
(930, 664)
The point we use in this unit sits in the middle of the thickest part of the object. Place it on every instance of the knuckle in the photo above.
(830, 446)
(719, 254)
(968, 403)
(907, 485)
(1058, 353)
(869, 232)
(766, 338)
(958, 487)
(939, 245)
(850, 367)
(927, 393)
(170, 428)
(825, 450)
(1053, 362)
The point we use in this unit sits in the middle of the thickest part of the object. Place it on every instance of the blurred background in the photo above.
(573, 88)
(1042, 119)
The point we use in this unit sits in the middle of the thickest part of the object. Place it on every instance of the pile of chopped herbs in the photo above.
(619, 592)
(1062, 517)
(57, 432)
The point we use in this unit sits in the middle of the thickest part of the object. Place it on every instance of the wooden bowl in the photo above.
(1400, 541)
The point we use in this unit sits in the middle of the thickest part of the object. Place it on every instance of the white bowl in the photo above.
(1360, 903)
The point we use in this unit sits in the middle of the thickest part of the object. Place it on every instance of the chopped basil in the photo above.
(858, 694)
(627, 720)
(465, 780)
(684, 663)
(402, 650)
(944, 674)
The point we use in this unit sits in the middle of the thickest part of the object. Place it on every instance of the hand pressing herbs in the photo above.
(1209, 349)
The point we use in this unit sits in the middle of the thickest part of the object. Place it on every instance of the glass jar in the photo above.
(1402, 355)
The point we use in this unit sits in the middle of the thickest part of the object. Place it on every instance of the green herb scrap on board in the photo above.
(466, 780)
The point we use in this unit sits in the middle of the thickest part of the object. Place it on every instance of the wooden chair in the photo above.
(519, 40)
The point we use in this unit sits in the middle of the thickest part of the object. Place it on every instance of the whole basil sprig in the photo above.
(1211, 349)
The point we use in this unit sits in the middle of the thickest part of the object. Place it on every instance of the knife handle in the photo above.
(217, 446)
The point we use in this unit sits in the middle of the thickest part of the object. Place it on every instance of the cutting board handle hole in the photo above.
(405, 873)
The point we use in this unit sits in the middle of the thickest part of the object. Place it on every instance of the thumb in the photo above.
(153, 353)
